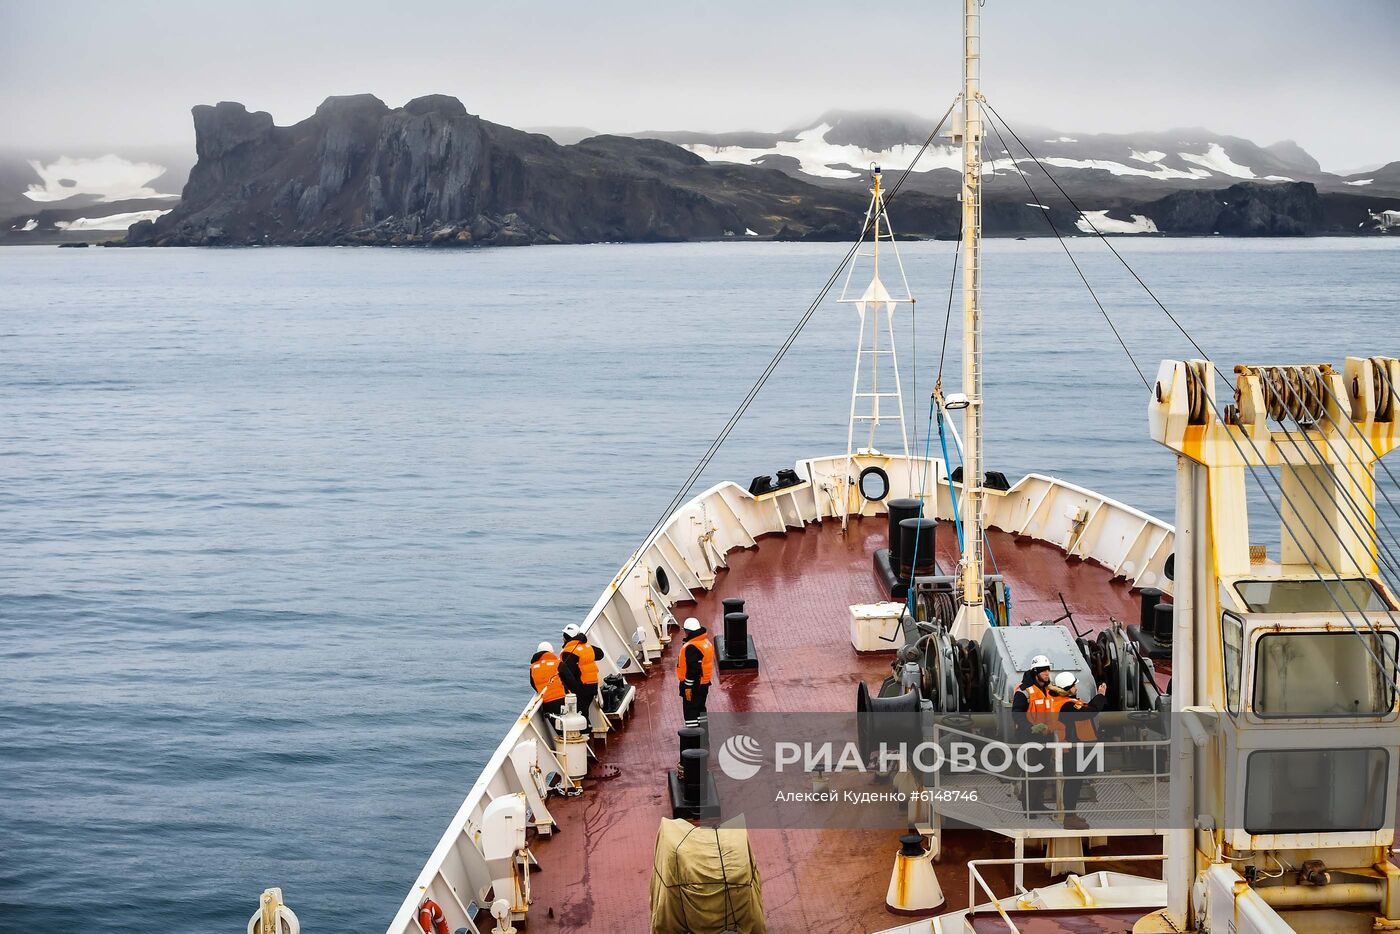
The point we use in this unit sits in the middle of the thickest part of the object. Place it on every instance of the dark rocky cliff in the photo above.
(429, 173)
(1246, 210)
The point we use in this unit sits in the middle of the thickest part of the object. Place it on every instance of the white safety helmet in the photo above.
(572, 630)
(1066, 680)
(692, 625)
(1040, 661)
(544, 647)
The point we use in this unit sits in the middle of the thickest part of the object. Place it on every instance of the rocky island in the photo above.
(429, 173)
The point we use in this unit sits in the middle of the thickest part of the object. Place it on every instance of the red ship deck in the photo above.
(596, 869)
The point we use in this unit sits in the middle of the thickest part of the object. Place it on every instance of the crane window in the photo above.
(1324, 674)
(1310, 596)
(1315, 790)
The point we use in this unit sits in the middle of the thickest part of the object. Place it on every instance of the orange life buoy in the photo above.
(430, 918)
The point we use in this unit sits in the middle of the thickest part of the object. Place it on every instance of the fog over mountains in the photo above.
(360, 172)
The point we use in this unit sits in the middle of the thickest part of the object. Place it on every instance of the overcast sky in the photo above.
(1323, 72)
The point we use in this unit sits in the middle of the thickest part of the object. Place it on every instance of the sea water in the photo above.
(280, 528)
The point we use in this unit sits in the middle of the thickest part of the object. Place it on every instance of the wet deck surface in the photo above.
(595, 872)
(1102, 921)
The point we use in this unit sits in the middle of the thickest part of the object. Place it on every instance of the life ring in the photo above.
(431, 919)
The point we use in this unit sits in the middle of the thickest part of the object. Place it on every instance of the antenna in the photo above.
(876, 307)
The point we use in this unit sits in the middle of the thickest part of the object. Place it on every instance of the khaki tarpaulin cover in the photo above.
(705, 881)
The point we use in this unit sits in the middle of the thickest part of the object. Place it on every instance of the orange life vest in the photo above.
(587, 660)
(1084, 731)
(544, 675)
(707, 659)
(1041, 707)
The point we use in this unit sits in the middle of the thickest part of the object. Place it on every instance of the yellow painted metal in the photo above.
(972, 618)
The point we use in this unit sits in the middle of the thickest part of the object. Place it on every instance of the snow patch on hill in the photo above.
(1216, 159)
(826, 160)
(110, 177)
(110, 222)
(1100, 221)
(1151, 157)
(1118, 168)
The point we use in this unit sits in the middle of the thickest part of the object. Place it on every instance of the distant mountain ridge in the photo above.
(840, 145)
(359, 172)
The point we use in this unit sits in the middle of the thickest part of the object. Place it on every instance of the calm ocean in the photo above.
(279, 528)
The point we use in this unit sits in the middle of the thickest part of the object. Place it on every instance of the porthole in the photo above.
(874, 484)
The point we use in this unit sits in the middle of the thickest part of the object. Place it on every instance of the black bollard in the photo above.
(736, 633)
(694, 766)
(1153, 630)
(691, 737)
(1147, 613)
(693, 792)
(735, 648)
(1162, 626)
(897, 511)
(916, 540)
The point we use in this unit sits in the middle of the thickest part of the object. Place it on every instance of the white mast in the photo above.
(876, 309)
(972, 619)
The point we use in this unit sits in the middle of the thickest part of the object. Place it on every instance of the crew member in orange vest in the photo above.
(1073, 722)
(1032, 711)
(695, 671)
(544, 677)
(578, 667)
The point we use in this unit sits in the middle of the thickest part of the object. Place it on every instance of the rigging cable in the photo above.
(1376, 455)
(1064, 246)
(1361, 528)
(948, 319)
(1284, 523)
(1288, 527)
(943, 443)
(1097, 232)
(1146, 288)
(1312, 498)
(923, 491)
(1153, 295)
(777, 358)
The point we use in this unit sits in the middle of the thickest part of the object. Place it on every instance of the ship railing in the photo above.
(689, 549)
(979, 882)
(1138, 795)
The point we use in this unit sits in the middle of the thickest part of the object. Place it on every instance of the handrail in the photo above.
(1156, 776)
(975, 875)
